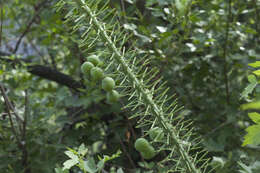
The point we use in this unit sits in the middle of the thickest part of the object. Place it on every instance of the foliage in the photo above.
(254, 130)
(78, 158)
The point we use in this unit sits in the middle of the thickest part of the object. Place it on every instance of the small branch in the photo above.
(24, 142)
(54, 75)
(123, 9)
(9, 110)
(26, 112)
(225, 52)
(20, 142)
(256, 20)
(125, 151)
(9, 105)
(1, 26)
(23, 34)
(28, 27)
(217, 128)
(4, 53)
(38, 52)
(53, 62)
(46, 73)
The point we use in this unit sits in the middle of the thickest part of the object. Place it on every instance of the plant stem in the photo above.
(140, 88)
(225, 52)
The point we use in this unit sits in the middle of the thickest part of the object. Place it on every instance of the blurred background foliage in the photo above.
(202, 49)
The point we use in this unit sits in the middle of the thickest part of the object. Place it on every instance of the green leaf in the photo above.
(253, 135)
(72, 155)
(252, 105)
(254, 116)
(246, 169)
(179, 5)
(249, 89)
(120, 170)
(59, 170)
(130, 1)
(130, 26)
(100, 165)
(255, 64)
(251, 78)
(83, 150)
(107, 158)
(90, 166)
(218, 162)
(69, 163)
(161, 29)
(257, 72)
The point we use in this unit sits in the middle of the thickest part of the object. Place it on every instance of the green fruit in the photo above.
(112, 96)
(149, 154)
(108, 84)
(94, 59)
(86, 67)
(144, 147)
(96, 73)
(141, 144)
(156, 134)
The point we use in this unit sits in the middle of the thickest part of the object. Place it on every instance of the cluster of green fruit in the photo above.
(92, 69)
(144, 147)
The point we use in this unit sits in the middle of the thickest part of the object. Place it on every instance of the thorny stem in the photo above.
(140, 88)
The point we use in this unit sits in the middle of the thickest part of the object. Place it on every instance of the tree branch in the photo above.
(10, 110)
(28, 27)
(54, 75)
(46, 73)
(229, 20)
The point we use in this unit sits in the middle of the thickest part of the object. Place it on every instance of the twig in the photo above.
(54, 75)
(38, 52)
(127, 154)
(130, 126)
(256, 21)
(24, 142)
(225, 51)
(46, 73)
(26, 112)
(9, 109)
(24, 33)
(20, 142)
(123, 9)
(28, 27)
(4, 53)
(1, 27)
(217, 128)
(9, 104)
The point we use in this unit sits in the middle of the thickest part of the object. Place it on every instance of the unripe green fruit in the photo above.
(149, 154)
(96, 73)
(94, 59)
(156, 134)
(86, 67)
(108, 84)
(112, 96)
(141, 144)
(144, 147)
